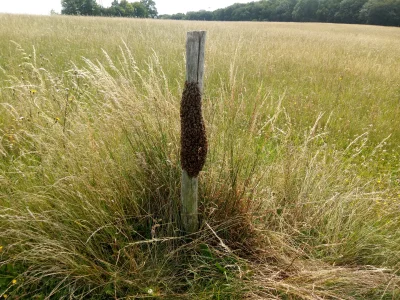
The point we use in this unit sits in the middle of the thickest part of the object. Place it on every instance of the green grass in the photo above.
(300, 194)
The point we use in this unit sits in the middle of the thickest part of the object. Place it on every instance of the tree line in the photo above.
(376, 12)
(123, 8)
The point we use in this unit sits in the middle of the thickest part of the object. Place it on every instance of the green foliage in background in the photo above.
(123, 8)
(377, 12)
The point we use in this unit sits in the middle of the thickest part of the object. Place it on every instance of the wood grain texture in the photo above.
(195, 54)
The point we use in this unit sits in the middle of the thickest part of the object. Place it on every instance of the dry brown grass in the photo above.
(299, 194)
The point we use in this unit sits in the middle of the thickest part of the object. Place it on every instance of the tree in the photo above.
(71, 7)
(126, 9)
(80, 7)
(112, 10)
(89, 8)
(327, 10)
(381, 12)
(284, 10)
(241, 14)
(349, 11)
(178, 16)
(202, 15)
(305, 11)
(140, 10)
(219, 14)
(257, 10)
(267, 10)
(123, 8)
(151, 8)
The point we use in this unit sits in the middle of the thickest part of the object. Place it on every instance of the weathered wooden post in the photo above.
(193, 135)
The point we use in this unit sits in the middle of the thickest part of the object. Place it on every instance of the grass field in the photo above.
(300, 194)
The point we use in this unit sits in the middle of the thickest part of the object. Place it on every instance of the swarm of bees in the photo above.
(193, 132)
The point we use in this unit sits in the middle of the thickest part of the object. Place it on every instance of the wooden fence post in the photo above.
(195, 50)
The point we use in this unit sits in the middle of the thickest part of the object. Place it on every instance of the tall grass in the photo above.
(299, 195)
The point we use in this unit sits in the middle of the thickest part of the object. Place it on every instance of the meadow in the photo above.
(300, 194)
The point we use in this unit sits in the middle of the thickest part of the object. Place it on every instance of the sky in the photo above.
(43, 7)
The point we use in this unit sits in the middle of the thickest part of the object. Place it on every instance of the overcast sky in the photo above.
(43, 7)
